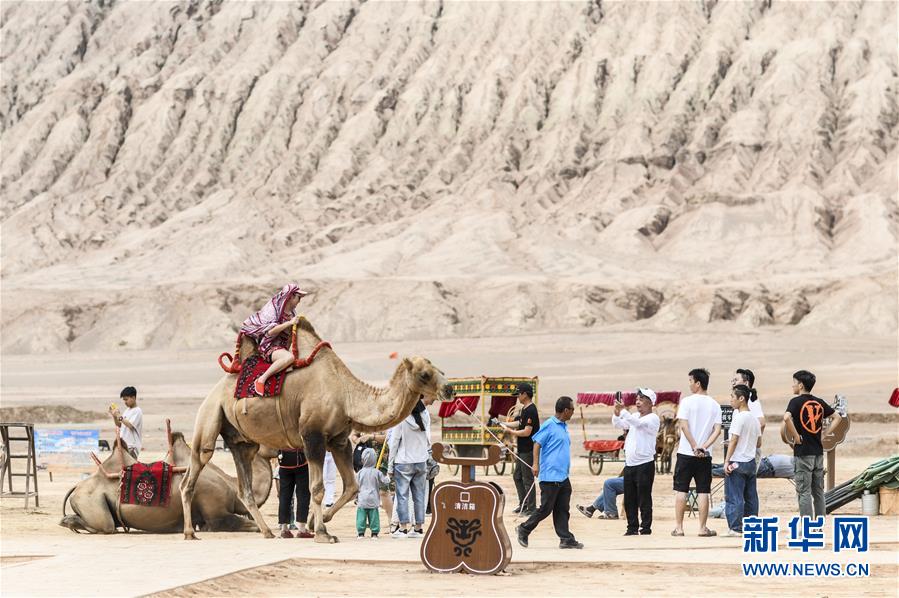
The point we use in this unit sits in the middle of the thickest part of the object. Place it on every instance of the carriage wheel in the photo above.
(450, 451)
(595, 462)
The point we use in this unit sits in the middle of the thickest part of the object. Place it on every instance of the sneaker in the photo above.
(606, 516)
(645, 532)
(286, 534)
(732, 533)
(374, 536)
(360, 537)
(399, 533)
(631, 533)
(414, 533)
(305, 534)
(570, 544)
(522, 536)
(586, 511)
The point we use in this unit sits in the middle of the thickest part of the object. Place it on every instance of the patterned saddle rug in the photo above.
(146, 484)
(252, 368)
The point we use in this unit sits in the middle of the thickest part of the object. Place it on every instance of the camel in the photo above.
(318, 407)
(217, 507)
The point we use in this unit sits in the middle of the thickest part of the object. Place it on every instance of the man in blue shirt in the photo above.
(552, 460)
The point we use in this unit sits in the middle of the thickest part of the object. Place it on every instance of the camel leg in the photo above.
(343, 459)
(244, 453)
(206, 430)
(314, 443)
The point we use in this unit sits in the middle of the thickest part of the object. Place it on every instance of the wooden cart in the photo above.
(469, 421)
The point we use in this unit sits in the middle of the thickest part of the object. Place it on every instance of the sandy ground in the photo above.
(40, 558)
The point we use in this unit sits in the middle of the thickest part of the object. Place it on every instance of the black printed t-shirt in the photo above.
(809, 413)
(528, 417)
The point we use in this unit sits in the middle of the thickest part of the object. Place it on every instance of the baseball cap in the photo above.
(525, 388)
(648, 393)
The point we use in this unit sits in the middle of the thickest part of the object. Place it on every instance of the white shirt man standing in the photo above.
(699, 417)
(131, 422)
(639, 463)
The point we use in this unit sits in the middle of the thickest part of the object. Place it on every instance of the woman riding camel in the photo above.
(270, 328)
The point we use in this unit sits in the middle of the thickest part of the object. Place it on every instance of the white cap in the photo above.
(648, 393)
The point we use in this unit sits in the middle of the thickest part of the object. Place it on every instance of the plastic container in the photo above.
(870, 503)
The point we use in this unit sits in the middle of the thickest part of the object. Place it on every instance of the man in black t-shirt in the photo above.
(804, 420)
(523, 428)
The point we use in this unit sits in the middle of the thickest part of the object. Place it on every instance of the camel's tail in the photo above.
(65, 500)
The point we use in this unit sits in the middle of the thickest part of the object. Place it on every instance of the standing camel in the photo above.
(318, 407)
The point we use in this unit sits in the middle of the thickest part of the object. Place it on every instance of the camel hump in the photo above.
(248, 348)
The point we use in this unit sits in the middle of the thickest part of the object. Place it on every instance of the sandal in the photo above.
(677, 533)
(707, 533)
(259, 388)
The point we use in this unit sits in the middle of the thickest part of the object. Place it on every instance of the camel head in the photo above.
(426, 379)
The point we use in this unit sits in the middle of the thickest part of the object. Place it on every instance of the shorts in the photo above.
(698, 469)
(271, 349)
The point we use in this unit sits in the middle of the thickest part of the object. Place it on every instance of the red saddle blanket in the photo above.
(146, 484)
(252, 368)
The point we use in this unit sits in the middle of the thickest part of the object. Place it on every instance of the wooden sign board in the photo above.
(467, 530)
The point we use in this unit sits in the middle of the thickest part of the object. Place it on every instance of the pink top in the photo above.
(273, 314)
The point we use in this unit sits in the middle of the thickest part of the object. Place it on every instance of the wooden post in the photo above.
(583, 423)
(831, 468)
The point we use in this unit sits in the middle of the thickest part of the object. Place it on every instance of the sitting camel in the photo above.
(318, 407)
(95, 501)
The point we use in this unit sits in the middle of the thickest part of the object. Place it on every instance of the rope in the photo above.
(502, 445)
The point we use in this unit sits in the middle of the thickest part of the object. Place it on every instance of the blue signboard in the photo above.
(57, 446)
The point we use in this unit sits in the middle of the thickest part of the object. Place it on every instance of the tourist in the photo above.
(745, 376)
(639, 464)
(699, 417)
(370, 481)
(606, 503)
(552, 462)
(740, 493)
(410, 446)
(131, 422)
(376, 442)
(329, 479)
(270, 328)
(525, 425)
(293, 482)
(803, 420)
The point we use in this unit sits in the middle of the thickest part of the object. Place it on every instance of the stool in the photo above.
(692, 501)
(30, 462)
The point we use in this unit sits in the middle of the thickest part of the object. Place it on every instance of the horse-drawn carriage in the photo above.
(470, 421)
(601, 451)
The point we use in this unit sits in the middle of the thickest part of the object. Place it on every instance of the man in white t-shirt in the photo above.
(131, 422)
(740, 490)
(699, 417)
